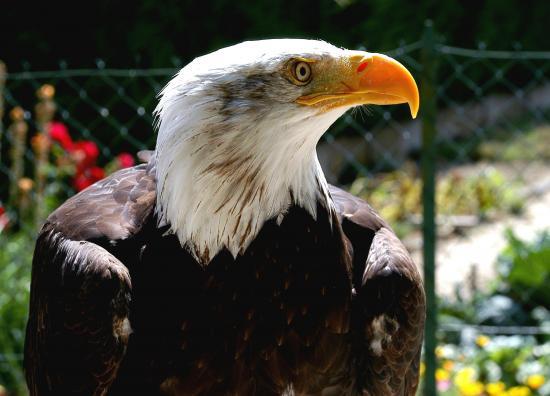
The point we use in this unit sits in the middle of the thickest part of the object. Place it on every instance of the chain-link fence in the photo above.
(479, 153)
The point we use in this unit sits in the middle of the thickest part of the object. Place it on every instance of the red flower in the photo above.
(59, 133)
(125, 160)
(96, 173)
(4, 219)
(80, 182)
(84, 153)
(88, 177)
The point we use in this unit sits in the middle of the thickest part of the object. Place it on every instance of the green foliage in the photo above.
(531, 146)
(397, 195)
(472, 363)
(15, 264)
(524, 268)
(152, 34)
(519, 296)
(477, 194)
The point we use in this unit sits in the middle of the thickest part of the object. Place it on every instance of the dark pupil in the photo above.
(302, 71)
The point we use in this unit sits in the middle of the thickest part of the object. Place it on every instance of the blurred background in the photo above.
(466, 185)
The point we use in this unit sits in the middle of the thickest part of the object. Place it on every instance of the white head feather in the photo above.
(234, 149)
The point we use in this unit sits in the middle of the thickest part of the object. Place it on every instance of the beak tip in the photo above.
(414, 110)
(414, 101)
(403, 84)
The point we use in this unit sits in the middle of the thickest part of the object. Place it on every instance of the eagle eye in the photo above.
(300, 72)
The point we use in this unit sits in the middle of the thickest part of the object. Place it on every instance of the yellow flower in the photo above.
(519, 391)
(482, 340)
(465, 376)
(422, 368)
(465, 380)
(495, 388)
(448, 365)
(439, 351)
(471, 389)
(535, 381)
(442, 375)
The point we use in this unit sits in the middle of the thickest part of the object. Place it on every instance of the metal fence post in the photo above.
(428, 95)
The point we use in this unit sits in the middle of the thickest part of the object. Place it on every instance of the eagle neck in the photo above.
(216, 191)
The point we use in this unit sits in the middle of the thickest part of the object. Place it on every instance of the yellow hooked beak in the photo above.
(362, 78)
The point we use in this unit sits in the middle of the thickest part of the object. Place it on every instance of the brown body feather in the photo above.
(308, 308)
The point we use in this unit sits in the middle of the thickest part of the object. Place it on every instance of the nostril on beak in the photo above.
(362, 66)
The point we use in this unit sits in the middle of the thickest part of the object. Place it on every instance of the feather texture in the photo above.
(226, 265)
(279, 318)
(233, 150)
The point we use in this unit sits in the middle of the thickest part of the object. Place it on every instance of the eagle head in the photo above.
(237, 131)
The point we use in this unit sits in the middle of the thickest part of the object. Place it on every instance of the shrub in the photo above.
(471, 363)
(15, 265)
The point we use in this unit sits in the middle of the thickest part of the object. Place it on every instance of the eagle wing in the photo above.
(78, 324)
(389, 302)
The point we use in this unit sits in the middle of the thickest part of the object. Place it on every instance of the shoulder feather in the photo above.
(113, 208)
(78, 324)
(389, 300)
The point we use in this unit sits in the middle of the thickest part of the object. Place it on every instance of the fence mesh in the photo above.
(492, 147)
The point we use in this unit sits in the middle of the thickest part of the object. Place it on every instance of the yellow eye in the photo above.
(301, 71)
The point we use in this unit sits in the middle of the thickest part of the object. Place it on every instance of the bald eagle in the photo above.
(226, 264)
